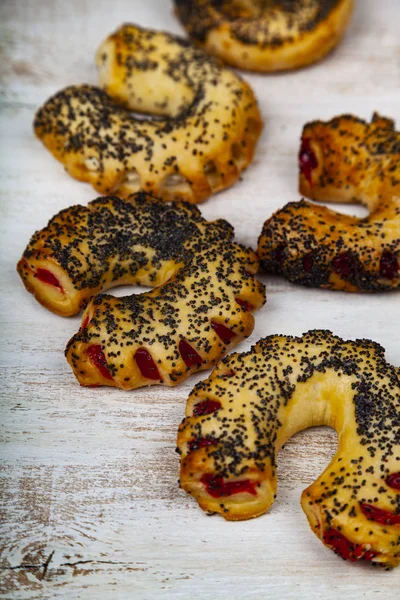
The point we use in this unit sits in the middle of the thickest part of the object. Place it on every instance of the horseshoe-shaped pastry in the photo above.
(261, 35)
(87, 249)
(252, 403)
(204, 136)
(205, 290)
(343, 160)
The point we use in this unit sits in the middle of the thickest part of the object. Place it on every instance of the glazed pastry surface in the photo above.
(203, 131)
(266, 35)
(86, 249)
(252, 403)
(342, 160)
(201, 305)
(348, 159)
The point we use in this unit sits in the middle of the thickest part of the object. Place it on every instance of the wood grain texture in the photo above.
(91, 506)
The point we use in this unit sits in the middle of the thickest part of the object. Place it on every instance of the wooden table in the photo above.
(91, 503)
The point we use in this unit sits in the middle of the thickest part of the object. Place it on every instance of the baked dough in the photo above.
(87, 249)
(252, 403)
(266, 35)
(202, 135)
(202, 304)
(342, 160)
(348, 159)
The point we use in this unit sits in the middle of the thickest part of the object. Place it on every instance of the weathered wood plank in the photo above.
(90, 503)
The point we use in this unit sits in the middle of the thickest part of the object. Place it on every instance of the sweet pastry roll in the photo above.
(87, 249)
(203, 298)
(252, 403)
(272, 35)
(342, 160)
(201, 134)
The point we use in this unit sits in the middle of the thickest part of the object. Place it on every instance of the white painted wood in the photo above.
(89, 478)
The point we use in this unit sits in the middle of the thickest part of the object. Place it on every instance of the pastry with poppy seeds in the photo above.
(203, 131)
(203, 298)
(252, 403)
(87, 249)
(266, 35)
(342, 160)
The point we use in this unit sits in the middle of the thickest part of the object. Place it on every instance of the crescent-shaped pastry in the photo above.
(201, 305)
(342, 160)
(203, 131)
(266, 35)
(252, 403)
(85, 250)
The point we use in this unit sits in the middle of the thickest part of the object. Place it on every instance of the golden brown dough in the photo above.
(252, 403)
(87, 249)
(342, 160)
(203, 133)
(348, 159)
(266, 35)
(202, 304)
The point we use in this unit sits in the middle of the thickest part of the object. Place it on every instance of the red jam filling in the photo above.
(96, 355)
(369, 555)
(383, 517)
(278, 253)
(217, 488)
(307, 263)
(389, 265)
(244, 304)
(206, 407)
(197, 443)
(343, 264)
(189, 354)
(228, 374)
(307, 159)
(85, 323)
(48, 277)
(223, 332)
(344, 548)
(146, 364)
(393, 481)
